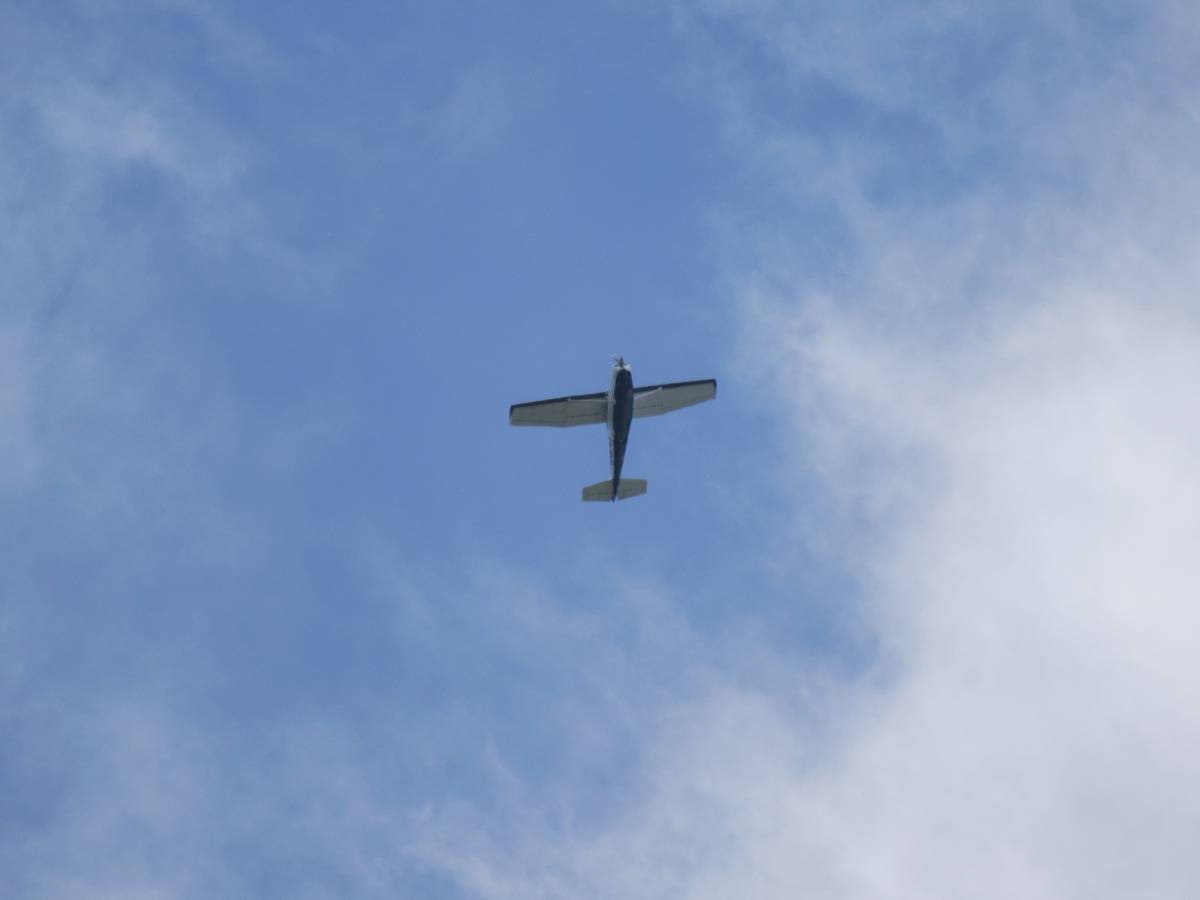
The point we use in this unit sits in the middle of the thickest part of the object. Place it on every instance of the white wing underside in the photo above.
(592, 409)
(656, 399)
(562, 412)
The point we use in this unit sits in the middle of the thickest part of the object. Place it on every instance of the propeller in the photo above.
(619, 361)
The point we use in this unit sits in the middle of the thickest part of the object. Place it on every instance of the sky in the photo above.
(286, 607)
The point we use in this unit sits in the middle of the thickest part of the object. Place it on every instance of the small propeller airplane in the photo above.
(618, 407)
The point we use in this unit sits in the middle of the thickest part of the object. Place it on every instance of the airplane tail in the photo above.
(603, 490)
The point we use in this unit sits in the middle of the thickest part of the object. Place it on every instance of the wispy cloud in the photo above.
(98, 144)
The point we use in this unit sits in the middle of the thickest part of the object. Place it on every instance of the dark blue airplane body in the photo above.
(619, 420)
(618, 408)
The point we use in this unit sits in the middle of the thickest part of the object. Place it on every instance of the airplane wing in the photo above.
(656, 399)
(561, 412)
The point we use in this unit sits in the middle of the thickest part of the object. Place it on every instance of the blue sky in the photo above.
(287, 608)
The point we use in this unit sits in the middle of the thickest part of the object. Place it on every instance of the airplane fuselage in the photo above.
(620, 415)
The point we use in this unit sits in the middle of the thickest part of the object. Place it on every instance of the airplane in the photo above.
(618, 407)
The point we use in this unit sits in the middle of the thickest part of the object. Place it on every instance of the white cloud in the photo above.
(1001, 396)
(1032, 587)
(1031, 726)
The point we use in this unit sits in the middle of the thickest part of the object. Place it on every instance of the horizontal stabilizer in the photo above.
(603, 490)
